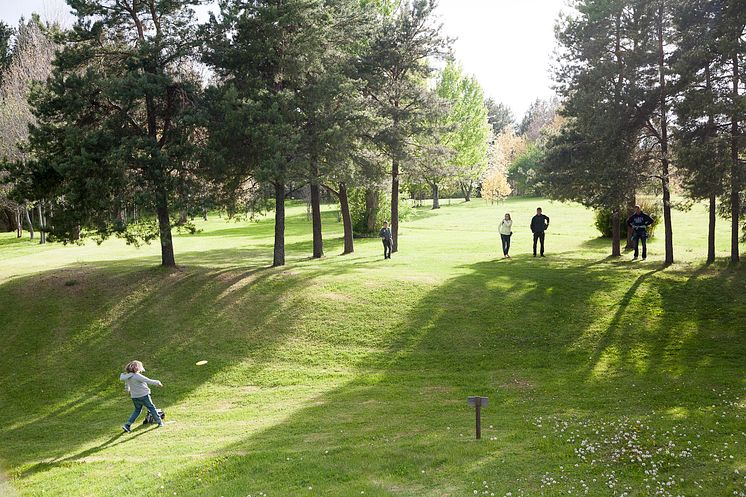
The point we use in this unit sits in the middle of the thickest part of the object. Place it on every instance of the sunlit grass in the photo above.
(349, 375)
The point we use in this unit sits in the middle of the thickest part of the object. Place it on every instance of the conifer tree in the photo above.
(115, 120)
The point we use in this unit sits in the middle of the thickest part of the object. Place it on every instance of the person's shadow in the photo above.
(112, 442)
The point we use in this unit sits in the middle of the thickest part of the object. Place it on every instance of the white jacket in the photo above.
(137, 384)
(506, 227)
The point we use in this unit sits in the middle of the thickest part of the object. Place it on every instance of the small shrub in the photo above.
(603, 219)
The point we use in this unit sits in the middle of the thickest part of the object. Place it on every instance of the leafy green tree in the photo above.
(523, 172)
(467, 131)
(115, 120)
(396, 65)
(287, 75)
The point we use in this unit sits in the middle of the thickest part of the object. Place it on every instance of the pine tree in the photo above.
(596, 159)
(115, 124)
(397, 65)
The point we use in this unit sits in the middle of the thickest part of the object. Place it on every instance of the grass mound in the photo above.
(349, 375)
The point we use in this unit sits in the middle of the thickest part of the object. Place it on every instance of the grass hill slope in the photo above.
(349, 375)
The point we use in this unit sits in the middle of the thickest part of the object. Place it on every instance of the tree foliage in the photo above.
(115, 122)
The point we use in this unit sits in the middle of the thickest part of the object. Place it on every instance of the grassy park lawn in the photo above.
(349, 375)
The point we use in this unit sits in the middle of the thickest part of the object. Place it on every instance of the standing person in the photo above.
(385, 235)
(137, 386)
(506, 230)
(539, 224)
(639, 221)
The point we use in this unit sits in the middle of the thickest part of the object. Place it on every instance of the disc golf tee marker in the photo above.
(200, 363)
(478, 403)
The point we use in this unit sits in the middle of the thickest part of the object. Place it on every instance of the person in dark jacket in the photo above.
(639, 221)
(539, 224)
(385, 235)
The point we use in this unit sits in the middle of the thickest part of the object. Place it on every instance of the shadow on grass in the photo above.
(68, 332)
(508, 331)
(530, 335)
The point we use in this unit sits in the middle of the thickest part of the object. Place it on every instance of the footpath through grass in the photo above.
(349, 375)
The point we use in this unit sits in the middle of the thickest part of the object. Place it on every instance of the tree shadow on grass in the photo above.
(401, 425)
(65, 342)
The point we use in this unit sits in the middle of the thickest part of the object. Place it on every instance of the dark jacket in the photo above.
(539, 223)
(639, 222)
(385, 233)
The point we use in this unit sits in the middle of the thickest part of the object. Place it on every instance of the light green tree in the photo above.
(467, 129)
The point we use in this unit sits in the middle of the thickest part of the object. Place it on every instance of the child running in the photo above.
(137, 386)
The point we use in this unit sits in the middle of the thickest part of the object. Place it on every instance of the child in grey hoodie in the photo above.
(137, 386)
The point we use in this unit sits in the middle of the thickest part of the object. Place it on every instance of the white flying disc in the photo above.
(200, 363)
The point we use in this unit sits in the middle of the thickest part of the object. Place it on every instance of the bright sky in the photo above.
(507, 44)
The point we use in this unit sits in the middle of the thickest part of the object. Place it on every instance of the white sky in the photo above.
(507, 44)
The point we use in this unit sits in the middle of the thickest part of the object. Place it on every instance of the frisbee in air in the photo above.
(200, 363)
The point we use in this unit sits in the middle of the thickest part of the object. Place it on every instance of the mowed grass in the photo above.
(349, 375)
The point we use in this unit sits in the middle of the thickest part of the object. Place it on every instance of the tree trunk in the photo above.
(735, 173)
(665, 182)
(28, 221)
(19, 222)
(164, 226)
(182, 217)
(467, 192)
(436, 199)
(42, 223)
(711, 231)
(344, 206)
(395, 205)
(616, 245)
(318, 242)
(279, 250)
(371, 209)
(204, 214)
(630, 211)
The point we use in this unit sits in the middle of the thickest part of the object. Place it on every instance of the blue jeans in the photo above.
(637, 237)
(141, 402)
(506, 243)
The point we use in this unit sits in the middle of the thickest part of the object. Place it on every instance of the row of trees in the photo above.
(126, 138)
(25, 56)
(649, 86)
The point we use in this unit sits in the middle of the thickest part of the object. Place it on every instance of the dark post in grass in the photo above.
(479, 403)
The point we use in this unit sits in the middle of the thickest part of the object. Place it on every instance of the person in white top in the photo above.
(137, 386)
(506, 230)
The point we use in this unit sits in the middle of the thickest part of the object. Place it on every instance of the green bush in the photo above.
(356, 198)
(603, 219)
(358, 213)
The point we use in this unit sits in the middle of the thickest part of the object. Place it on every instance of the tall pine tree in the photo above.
(115, 120)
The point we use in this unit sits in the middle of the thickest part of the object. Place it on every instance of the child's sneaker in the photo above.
(126, 428)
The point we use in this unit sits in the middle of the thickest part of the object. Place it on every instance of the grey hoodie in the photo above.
(137, 384)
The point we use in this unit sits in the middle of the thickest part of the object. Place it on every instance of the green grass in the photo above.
(349, 375)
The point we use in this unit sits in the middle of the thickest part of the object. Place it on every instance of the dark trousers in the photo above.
(539, 235)
(506, 243)
(386, 249)
(636, 237)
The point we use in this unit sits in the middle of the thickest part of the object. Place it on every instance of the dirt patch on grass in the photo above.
(518, 383)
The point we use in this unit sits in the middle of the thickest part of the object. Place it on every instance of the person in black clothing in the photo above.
(385, 235)
(539, 224)
(639, 221)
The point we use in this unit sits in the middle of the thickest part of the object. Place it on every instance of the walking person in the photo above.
(539, 224)
(639, 221)
(137, 386)
(506, 231)
(385, 235)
